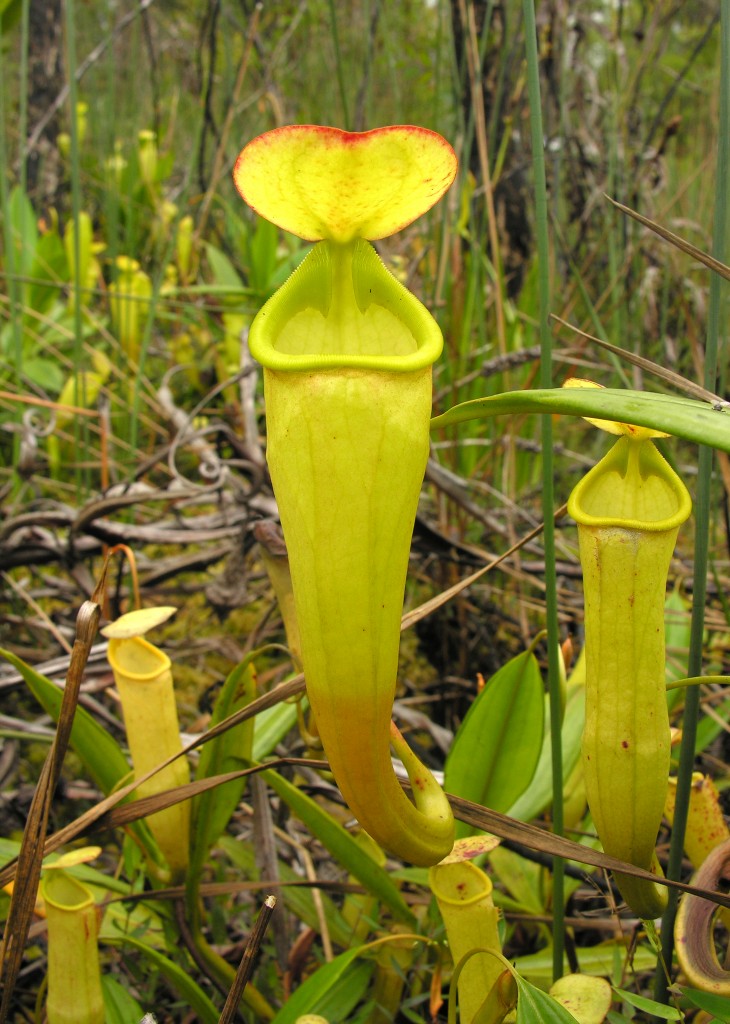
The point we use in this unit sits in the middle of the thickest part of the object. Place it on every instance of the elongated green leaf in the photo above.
(338, 1002)
(180, 981)
(649, 1005)
(600, 960)
(10, 11)
(677, 632)
(24, 230)
(681, 417)
(718, 1006)
(262, 254)
(49, 267)
(496, 750)
(317, 988)
(119, 1006)
(101, 754)
(708, 729)
(341, 845)
(538, 796)
(298, 899)
(272, 725)
(536, 1007)
(226, 753)
(224, 273)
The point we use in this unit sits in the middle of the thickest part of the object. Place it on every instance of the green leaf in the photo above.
(45, 373)
(101, 754)
(680, 417)
(341, 998)
(496, 750)
(317, 988)
(677, 631)
(539, 795)
(272, 725)
(297, 898)
(538, 967)
(719, 1006)
(224, 273)
(649, 1005)
(10, 11)
(341, 845)
(226, 753)
(708, 729)
(536, 1007)
(262, 257)
(50, 267)
(24, 231)
(179, 979)
(120, 1007)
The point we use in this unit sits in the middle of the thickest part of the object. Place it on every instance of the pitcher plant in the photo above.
(628, 508)
(347, 353)
(143, 677)
(75, 994)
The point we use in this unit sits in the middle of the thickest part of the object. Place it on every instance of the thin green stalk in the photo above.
(14, 293)
(702, 518)
(107, 126)
(338, 61)
(543, 255)
(24, 90)
(80, 428)
(614, 187)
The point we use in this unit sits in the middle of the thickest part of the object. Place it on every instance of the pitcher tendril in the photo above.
(347, 353)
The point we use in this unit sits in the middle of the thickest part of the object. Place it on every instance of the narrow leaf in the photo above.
(680, 417)
(310, 996)
(649, 1005)
(341, 845)
(496, 750)
(101, 754)
(538, 796)
(298, 899)
(718, 1006)
(537, 1007)
(120, 1007)
(225, 753)
(188, 990)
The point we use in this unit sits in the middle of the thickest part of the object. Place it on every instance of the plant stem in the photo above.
(543, 255)
(80, 432)
(702, 522)
(338, 61)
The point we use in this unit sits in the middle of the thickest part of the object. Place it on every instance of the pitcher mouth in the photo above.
(342, 309)
(634, 488)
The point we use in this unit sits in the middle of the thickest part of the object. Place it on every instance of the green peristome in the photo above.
(628, 509)
(347, 354)
(74, 977)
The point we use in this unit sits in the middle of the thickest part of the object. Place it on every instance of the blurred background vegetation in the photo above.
(130, 272)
